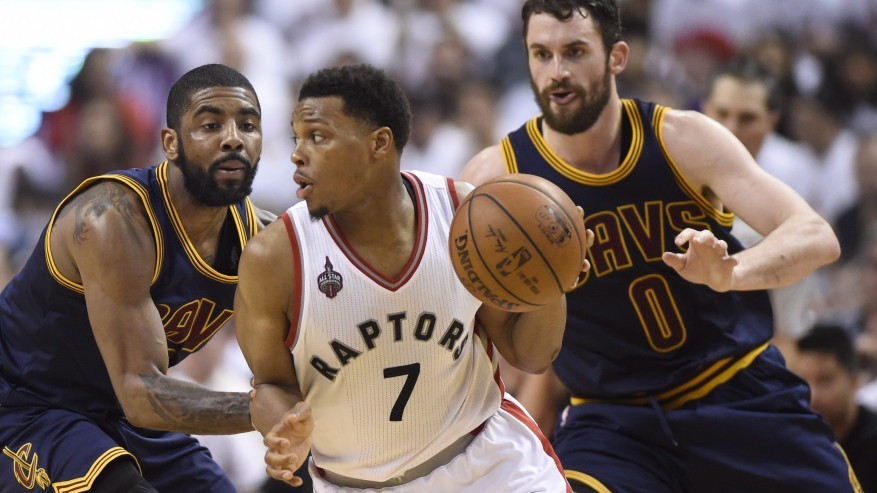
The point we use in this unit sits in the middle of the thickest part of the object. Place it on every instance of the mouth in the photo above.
(231, 168)
(562, 97)
(304, 185)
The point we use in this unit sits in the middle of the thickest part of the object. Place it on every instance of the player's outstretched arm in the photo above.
(796, 241)
(103, 236)
(262, 304)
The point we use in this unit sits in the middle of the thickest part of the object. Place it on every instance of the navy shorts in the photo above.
(61, 451)
(754, 433)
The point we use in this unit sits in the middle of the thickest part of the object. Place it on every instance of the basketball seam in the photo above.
(523, 231)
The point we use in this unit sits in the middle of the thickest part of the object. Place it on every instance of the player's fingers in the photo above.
(674, 260)
(685, 236)
(589, 235)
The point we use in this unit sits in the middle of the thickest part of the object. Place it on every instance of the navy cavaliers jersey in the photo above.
(636, 328)
(48, 354)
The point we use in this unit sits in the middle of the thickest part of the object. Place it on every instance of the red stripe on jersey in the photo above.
(298, 288)
(519, 414)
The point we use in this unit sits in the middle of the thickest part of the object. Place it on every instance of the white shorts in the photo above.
(509, 455)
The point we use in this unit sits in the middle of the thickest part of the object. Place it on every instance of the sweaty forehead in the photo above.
(223, 95)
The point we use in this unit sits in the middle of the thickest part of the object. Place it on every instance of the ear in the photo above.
(169, 144)
(382, 141)
(618, 57)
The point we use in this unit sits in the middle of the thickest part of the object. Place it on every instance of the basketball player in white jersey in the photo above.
(366, 349)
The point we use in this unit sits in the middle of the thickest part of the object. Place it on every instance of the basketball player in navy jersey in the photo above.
(135, 271)
(674, 386)
(365, 347)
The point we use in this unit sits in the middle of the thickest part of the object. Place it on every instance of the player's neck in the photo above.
(596, 150)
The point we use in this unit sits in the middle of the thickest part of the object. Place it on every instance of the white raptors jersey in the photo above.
(393, 369)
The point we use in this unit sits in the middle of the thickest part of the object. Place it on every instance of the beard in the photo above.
(319, 214)
(573, 121)
(208, 191)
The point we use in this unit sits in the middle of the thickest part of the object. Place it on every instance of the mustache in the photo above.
(233, 156)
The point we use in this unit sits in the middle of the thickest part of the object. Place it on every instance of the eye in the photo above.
(249, 127)
(542, 55)
(210, 126)
(317, 137)
(575, 52)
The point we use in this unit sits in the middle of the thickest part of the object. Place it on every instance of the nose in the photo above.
(232, 139)
(297, 156)
(561, 71)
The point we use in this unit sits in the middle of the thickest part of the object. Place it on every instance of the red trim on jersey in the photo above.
(298, 291)
(519, 414)
(452, 189)
(391, 284)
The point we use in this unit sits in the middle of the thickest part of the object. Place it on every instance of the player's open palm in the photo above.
(289, 443)
(706, 261)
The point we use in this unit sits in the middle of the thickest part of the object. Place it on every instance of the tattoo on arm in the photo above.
(193, 409)
(95, 202)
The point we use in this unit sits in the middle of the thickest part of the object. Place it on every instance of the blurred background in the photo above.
(83, 87)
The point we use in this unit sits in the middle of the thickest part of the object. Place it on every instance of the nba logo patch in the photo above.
(330, 282)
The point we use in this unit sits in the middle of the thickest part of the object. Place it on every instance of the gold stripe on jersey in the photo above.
(144, 197)
(577, 175)
(252, 221)
(724, 218)
(508, 153)
(854, 481)
(191, 251)
(587, 480)
(705, 382)
(85, 483)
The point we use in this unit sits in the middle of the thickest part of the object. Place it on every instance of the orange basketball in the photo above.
(517, 242)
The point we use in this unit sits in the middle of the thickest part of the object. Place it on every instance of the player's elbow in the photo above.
(829, 246)
(535, 363)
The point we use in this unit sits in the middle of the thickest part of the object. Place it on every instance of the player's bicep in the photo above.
(112, 245)
(719, 166)
(262, 301)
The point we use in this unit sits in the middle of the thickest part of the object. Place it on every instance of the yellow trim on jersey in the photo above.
(191, 251)
(141, 191)
(587, 480)
(85, 482)
(724, 218)
(577, 175)
(508, 153)
(252, 220)
(854, 481)
(705, 382)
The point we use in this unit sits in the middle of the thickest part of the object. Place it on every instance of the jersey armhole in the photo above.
(296, 305)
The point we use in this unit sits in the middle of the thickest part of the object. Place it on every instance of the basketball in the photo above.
(517, 242)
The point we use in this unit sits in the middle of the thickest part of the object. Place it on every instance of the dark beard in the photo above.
(319, 214)
(204, 189)
(581, 119)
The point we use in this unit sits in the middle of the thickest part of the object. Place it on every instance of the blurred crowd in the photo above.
(464, 68)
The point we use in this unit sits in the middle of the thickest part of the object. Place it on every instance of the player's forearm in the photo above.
(788, 254)
(270, 404)
(536, 337)
(169, 404)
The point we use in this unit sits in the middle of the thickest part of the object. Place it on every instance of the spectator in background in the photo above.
(818, 122)
(124, 137)
(827, 361)
(853, 224)
(744, 97)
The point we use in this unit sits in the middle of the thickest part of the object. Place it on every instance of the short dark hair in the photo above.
(367, 93)
(605, 13)
(832, 340)
(206, 76)
(749, 70)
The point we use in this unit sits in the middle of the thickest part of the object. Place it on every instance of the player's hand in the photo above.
(589, 241)
(289, 442)
(706, 261)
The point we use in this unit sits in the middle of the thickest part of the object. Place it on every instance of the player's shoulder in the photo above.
(487, 164)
